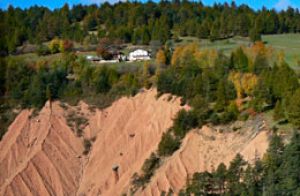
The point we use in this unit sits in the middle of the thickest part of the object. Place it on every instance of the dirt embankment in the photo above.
(43, 154)
(204, 150)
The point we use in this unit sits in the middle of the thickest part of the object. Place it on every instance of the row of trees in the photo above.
(140, 23)
(276, 174)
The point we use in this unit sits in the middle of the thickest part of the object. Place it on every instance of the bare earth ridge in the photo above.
(42, 155)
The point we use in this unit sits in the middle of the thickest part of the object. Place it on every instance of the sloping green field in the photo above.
(288, 43)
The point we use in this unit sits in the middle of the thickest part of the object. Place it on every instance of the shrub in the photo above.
(184, 121)
(231, 113)
(214, 118)
(42, 50)
(150, 165)
(148, 168)
(87, 146)
(77, 123)
(168, 144)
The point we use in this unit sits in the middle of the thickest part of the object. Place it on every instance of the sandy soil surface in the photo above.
(43, 154)
(39, 155)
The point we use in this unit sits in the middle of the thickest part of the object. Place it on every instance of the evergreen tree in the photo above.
(221, 96)
(289, 183)
(294, 109)
(2, 76)
(255, 35)
(272, 161)
(235, 172)
(201, 184)
(203, 30)
(240, 60)
(214, 33)
(260, 64)
(278, 111)
(285, 81)
(220, 178)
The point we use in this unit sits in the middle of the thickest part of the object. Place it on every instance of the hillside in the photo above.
(203, 150)
(43, 154)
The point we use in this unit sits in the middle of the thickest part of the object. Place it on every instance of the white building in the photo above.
(139, 54)
(93, 58)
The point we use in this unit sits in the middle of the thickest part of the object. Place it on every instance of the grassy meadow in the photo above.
(289, 44)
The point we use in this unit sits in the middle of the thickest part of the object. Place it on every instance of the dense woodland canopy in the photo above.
(139, 23)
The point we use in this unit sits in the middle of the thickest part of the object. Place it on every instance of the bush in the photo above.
(168, 144)
(148, 168)
(42, 50)
(214, 119)
(230, 114)
(87, 146)
(184, 121)
(7, 116)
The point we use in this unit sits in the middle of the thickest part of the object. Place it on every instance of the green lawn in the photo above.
(226, 45)
(288, 43)
(33, 57)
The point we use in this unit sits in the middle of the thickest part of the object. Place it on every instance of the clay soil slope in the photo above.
(42, 154)
(205, 149)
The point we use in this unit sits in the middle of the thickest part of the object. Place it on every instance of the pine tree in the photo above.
(289, 170)
(255, 35)
(278, 111)
(2, 76)
(260, 64)
(285, 81)
(294, 109)
(240, 60)
(221, 96)
(220, 177)
(203, 30)
(214, 33)
(234, 175)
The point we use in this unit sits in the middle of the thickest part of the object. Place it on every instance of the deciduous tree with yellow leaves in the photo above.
(160, 57)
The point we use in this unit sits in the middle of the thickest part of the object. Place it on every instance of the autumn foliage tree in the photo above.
(160, 57)
(54, 46)
(66, 46)
(244, 83)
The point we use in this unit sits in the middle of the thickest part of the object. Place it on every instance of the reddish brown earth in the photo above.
(42, 155)
(204, 150)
